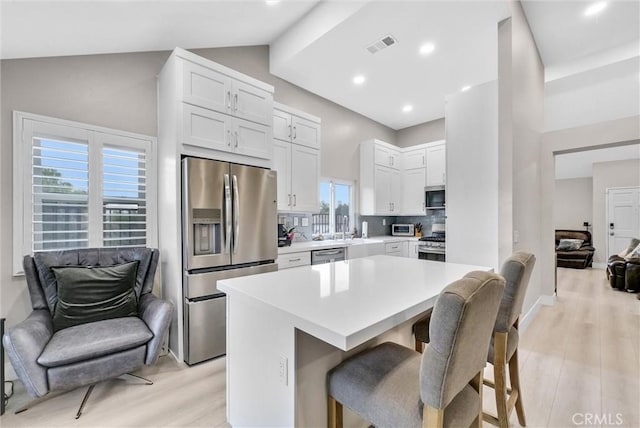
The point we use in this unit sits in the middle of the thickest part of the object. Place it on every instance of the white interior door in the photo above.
(623, 218)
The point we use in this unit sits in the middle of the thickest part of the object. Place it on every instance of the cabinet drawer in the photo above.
(393, 247)
(286, 261)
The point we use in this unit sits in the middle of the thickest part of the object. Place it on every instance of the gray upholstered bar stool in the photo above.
(393, 386)
(503, 350)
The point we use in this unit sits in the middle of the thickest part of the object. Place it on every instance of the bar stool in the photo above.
(503, 350)
(393, 386)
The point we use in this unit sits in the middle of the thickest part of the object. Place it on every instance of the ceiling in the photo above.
(320, 46)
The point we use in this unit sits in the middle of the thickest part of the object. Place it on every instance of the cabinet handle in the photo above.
(228, 138)
(422, 160)
(294, 260)
(289, 200)
(289, 131)
(391, 160)
(235, 104)
(228, 100)
(295, 133)
(295, 200)
(236, 139)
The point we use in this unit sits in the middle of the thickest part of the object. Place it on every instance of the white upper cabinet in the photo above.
(436, 165)
(215, 112)
(413, 182)
(392, 179)
(413, 159)
(295, 126)
(296, 159)
(208, 88)
(380, 179)
(387, 156)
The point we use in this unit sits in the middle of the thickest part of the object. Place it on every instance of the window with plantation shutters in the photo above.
(79, 186)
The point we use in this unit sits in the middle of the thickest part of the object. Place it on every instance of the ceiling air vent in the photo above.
(383, 43)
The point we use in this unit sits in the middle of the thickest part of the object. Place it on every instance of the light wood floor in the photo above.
(579, 357)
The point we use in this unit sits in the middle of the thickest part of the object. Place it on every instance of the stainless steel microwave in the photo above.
(403, 229)
(434, 197)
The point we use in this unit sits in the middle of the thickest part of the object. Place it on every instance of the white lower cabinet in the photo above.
(365, 250)
(413, 249)
(399, 249)
(290, 260)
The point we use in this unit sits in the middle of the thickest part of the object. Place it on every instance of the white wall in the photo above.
(607, 175)
(472, 176)
(573, 203)
(598, 95)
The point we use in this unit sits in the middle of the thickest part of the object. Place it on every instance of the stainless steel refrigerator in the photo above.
(229, 230)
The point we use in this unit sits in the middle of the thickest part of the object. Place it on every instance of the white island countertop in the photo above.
(347, 303)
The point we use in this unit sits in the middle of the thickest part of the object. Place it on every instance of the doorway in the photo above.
(623, 218)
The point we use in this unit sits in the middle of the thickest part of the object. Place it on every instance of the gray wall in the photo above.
(422, 133)
(119, 91)
(573, 203)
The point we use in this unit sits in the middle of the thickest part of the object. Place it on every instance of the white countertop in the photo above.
(347, 303)
(340, 243)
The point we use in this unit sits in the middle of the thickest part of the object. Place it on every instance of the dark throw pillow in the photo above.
(94, 293)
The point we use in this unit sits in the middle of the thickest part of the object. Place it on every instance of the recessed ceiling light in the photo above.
(359, 79)
(465, 88)
(595, 8)
(407, 108)
(272, 2)
(427, 48)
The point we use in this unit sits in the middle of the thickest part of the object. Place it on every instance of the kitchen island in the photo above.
(286, 329)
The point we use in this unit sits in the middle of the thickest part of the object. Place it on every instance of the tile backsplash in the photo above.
(304, 231)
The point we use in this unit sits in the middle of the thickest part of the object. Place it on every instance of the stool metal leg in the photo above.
(84, 401)
(147, 381)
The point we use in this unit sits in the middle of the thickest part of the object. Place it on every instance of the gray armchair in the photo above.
(46, 360)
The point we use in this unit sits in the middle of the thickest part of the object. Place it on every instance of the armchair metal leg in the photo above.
(84, 401)
(147, 381)
(37, 401)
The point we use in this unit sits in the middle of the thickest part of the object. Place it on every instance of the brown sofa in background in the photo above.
(576, 259)
(624, 273)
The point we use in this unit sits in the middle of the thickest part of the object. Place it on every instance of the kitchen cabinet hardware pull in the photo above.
(236, 213)
(289, 131)
(228, 138)
(229, 100)
(236, 139)
(295, 133)
(235, 104)
(422, 160)
(295, 260)
(295, 200)
(289, 199)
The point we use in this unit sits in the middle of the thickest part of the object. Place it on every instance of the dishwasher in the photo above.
(327, 256)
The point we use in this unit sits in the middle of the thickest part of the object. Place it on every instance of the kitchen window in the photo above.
(79, 186)
(336, 208)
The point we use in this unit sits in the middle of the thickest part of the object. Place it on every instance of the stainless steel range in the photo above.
(433, 247)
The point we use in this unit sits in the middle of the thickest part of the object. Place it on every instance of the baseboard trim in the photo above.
(531, 313)
(599, 265)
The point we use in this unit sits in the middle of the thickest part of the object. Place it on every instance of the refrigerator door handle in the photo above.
(236, 214)
(227, 214)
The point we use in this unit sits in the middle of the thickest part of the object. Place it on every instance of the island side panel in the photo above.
(258, 338)
(314, 358)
